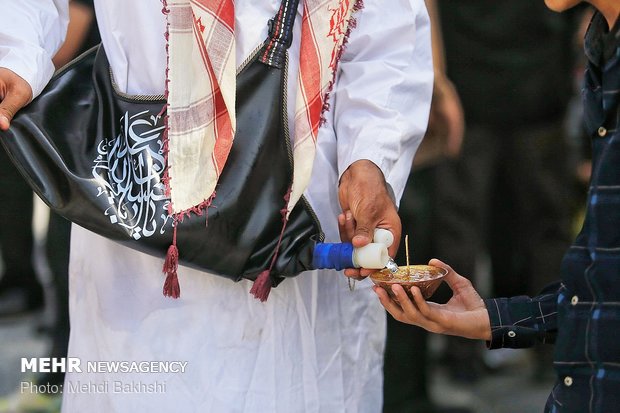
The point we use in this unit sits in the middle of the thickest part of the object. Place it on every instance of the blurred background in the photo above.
(496, 190)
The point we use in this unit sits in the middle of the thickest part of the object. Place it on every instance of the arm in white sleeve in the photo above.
(31, 31)
(383, 94)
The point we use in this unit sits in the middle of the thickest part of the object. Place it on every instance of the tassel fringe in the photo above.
(171, 285)
(262, 286)
(171, 265)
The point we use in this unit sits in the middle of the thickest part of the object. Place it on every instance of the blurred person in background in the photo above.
(21, 291)
(579, 313)
(82, 34)
(407, 373)
(512, 63)
(507, 193)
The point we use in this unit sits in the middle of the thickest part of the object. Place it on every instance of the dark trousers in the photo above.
(406, 363)
(16, 238)
(509, 194)
(17, 244)
(57, 251)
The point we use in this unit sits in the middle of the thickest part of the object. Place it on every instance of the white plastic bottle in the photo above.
(374, 255)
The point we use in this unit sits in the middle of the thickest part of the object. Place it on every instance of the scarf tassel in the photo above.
(262, 285)
(171, 265)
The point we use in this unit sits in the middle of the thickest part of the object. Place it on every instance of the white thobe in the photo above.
(314, 346)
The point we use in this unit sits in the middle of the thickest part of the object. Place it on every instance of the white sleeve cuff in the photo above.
(31, 63)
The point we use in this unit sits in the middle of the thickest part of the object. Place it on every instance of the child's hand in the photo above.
(464, 315)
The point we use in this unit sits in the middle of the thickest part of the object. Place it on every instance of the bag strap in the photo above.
(280, 34)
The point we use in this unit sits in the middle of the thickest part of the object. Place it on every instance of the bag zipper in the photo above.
(288, 145)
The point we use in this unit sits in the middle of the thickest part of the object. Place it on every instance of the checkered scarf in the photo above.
(201, 88)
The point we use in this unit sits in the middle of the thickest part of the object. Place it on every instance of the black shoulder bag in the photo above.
(96, 157)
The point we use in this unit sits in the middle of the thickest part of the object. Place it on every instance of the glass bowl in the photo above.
(426, 277)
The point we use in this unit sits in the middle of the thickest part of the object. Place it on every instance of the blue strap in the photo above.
(333, 256)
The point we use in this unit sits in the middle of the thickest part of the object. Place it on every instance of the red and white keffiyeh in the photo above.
(202, 83)
(201, 90)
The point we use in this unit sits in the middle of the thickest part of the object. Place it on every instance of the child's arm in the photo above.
(514, 322)
(464, 315)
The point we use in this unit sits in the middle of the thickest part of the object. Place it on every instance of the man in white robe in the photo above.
(314, 346)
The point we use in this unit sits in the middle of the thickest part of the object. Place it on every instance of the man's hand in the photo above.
(366, 205)
(465, 315)
(15, 93)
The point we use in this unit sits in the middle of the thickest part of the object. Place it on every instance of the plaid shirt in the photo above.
(581, 314)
